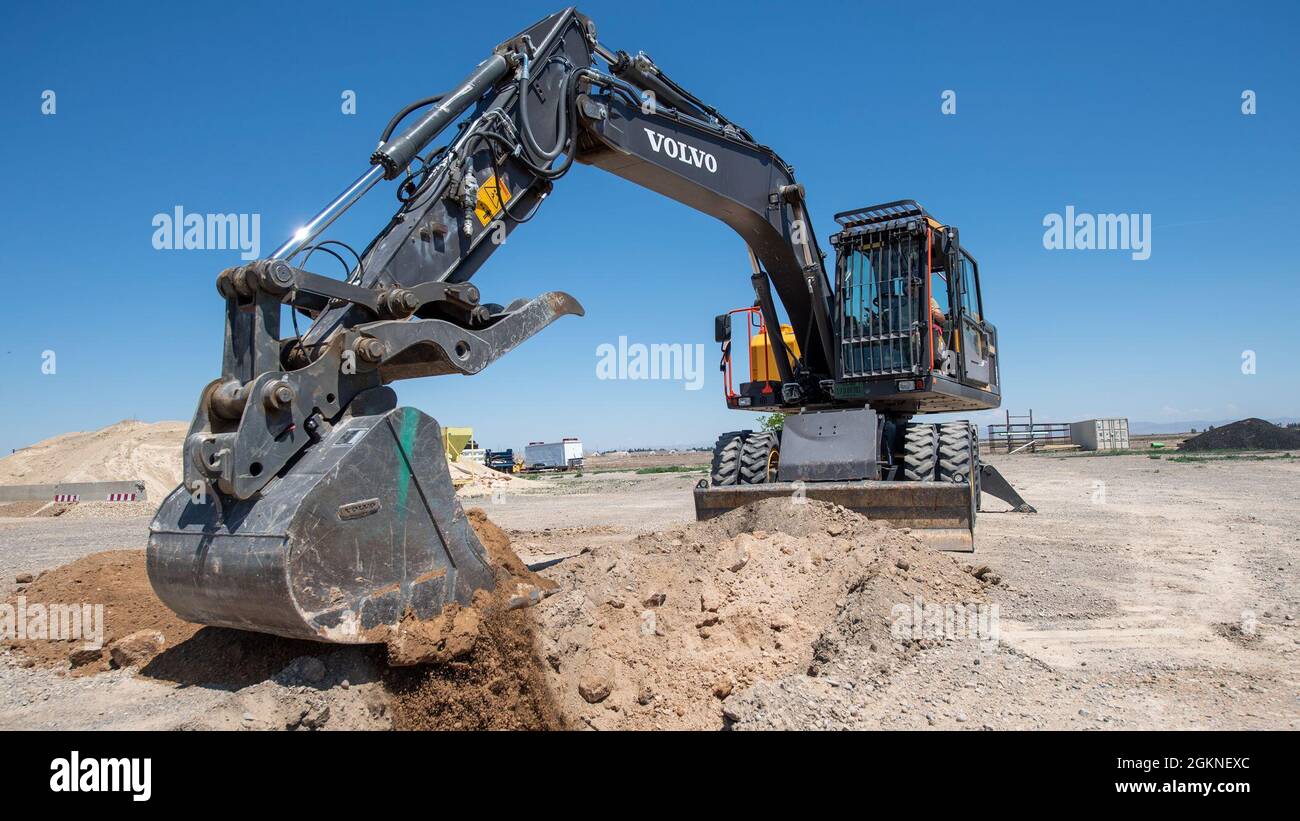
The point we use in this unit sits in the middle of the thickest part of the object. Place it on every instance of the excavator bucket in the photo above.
(362, 529)
(939, 513)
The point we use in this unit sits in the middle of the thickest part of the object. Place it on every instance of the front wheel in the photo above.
(920, 452)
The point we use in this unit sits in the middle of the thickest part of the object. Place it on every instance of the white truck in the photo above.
(563, 455)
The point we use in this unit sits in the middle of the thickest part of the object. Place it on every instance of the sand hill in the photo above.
(150, 451)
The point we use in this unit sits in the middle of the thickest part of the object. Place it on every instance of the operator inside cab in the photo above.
(939, 307)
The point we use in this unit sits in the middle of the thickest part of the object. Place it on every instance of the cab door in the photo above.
(977, 345)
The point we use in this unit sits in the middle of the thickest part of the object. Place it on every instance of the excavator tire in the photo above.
(760, 458)
(726, 458)
(921, 452)
(956, 457)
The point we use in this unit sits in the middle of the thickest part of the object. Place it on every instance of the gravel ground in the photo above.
(36, 544)
(1145, 593)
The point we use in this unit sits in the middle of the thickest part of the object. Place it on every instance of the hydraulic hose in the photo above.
(543, 156)
(402, 115)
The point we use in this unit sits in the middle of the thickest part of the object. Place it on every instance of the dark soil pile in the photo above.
(497, 685)
(488, 674)
(1248, 434)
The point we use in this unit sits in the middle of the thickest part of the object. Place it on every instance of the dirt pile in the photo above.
(115, 580)
(189, 653)
(1248, 434)
(477, 480)
(661, 631)
(128, 450)
(733, 622)
(479, 668)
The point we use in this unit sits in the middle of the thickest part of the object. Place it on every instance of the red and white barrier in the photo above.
(120, 497)
(67, 497)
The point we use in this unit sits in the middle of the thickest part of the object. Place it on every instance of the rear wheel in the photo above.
(920, 452)
(760, 458)
(725, 469)
(959, 459)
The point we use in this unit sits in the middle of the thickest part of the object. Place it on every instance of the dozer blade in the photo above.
(364, 526)
(939, 513)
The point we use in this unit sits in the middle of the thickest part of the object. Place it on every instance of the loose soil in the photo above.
(658, 632)
(482, 669)
(1164, 600)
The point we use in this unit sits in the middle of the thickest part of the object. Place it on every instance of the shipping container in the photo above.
(1100, 434)
(562, 455)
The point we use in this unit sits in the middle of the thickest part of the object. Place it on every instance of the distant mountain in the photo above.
(1136, 427)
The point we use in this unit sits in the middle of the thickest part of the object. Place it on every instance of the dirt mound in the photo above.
(659, 632)
(191, 653)
(481, 480)
(1248, 434)
(116, 580)
(128, 450)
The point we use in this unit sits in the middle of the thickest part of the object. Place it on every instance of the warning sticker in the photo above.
(492, 195)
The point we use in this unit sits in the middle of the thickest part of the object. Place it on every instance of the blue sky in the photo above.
(235, 107)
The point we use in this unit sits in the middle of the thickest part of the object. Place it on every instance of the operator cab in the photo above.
(911, 330)
(908, 318)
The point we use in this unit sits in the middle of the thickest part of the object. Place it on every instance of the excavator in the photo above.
(314, 506)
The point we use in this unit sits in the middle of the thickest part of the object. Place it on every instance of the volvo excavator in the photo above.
(313, 506)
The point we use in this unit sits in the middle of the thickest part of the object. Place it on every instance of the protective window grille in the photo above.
(879, 304)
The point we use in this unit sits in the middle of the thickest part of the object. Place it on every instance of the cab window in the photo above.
(970, 295)
(939, 291)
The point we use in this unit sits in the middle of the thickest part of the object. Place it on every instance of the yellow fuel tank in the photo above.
(762, 359)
